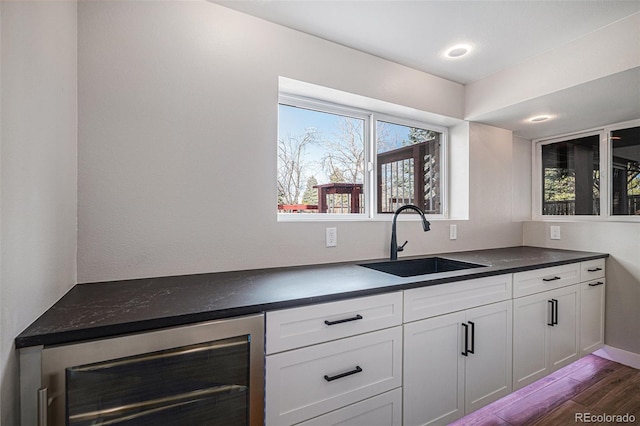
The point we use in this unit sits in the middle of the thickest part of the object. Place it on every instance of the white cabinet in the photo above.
(545, 333)
(338, 356)
(544, 279)
(308, 325)
(460, 361)
(592, 295)
(592, 316)
(559, 319)
(433, 370)
(429, 355)
(384, 409)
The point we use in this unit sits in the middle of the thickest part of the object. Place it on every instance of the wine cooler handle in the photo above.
(42, 406)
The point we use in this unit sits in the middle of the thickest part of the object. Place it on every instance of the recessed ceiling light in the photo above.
(458, 51)
(539, 118)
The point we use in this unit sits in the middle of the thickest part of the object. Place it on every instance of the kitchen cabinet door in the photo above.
(456, 363)
(433, 386)
(545, 333)
(488, 369)
(530, 317)
(592, 316)
(563, 335)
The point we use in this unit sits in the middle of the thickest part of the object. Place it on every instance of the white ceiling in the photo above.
(416, 33)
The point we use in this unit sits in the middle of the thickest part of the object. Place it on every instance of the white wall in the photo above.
(38, 171)
(178, 116)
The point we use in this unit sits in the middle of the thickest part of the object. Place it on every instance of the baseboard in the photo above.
(631, 359)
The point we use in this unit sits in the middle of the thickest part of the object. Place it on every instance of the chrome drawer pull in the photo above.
(594, 269)
(596, 284)
(357, 317)
(341, 375)
(551, 279)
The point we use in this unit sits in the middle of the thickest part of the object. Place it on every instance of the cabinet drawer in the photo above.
(308, 325)
(307, 382)
(440, 299)
(538, 280)
(592, 269)
(381, 410)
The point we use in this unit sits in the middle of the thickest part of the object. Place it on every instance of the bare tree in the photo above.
(291, 166)
(344, 157)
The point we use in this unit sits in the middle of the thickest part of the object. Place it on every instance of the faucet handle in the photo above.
(401, 248)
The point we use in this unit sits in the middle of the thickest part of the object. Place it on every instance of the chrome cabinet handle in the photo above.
(43, 404)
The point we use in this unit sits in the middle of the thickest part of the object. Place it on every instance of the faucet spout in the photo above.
(394, 242)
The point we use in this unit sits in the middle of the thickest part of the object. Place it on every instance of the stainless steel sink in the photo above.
(427, 265)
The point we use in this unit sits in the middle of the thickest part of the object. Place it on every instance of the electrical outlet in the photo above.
(554, 232)
(453, 232)
(331, 237)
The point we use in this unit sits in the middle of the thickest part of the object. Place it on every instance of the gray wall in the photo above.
(38, 167)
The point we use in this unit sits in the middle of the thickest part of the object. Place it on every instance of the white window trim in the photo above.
(605, 176)
(370, 200)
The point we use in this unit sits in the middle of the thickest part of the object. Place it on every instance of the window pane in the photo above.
(625, 171)
(571, 177)
(408, 167)
(320, 162)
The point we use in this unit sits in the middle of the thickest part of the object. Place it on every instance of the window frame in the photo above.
(370, 117)
(606, 171)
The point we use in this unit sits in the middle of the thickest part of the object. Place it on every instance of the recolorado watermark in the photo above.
(604, 418)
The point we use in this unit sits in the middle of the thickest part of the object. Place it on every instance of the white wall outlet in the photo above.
(453, 232)
(331, 237)
(554, 232)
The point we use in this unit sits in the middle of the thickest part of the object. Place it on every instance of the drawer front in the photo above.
(381, 410)
(538, 280)
(592, 269)
(307, 382)
(436, 300)
(308, 325)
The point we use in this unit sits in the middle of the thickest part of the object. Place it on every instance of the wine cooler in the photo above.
(204, 374)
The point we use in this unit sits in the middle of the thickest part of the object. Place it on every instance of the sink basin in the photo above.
(413, 267)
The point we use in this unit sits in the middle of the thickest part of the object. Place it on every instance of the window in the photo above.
(594, 174)
(408, 167)
(341, 162)
(625, 171)
(571, 177)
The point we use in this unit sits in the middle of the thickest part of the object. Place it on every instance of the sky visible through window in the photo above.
(296, 122)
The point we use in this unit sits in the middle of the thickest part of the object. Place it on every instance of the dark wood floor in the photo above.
(590, 385)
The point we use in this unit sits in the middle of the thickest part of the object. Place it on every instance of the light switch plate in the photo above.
(453, 232)
(554, 232)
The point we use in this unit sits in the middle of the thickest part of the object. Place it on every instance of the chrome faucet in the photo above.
(394, 243)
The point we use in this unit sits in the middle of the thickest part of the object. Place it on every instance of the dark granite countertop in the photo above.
(98, 310)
